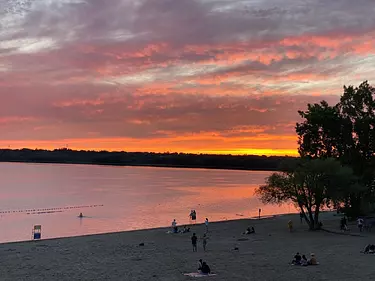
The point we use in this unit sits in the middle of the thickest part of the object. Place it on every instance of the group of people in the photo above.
(193, 215)
(203, 267)
(302, 260)
(194, 242)
(249, 230)
(344, 224)
(369, 249)
(186, 229)
(175, 228)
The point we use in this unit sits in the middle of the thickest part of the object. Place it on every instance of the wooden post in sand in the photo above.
(260, 210)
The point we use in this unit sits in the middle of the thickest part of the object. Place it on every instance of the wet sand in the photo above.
(263, 256)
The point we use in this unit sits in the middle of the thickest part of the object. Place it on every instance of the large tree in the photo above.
(310, 185)
(345, 131)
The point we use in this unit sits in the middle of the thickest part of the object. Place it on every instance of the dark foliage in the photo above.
(345, 131)
(68, 156)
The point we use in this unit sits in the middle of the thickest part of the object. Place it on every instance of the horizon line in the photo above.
(213, 153)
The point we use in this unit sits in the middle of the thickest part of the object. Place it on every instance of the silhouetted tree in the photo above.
(310, 185)
(345, 131)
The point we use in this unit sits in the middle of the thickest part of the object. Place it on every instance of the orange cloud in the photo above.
(190, 144)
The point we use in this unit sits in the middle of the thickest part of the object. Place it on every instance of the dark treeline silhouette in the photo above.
(183, 160)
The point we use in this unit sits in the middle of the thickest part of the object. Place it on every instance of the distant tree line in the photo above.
(246, 162)
(337, 163)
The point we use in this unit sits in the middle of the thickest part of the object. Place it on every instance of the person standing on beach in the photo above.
(301, 217)
(360, 224)
(193, 215)
(206, 223)
(205, 238)
(174, 226)
(194, 239)
(290, 226)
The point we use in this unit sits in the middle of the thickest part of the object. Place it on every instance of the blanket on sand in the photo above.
(197, 274)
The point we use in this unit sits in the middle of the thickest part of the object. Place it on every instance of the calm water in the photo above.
(132, 198)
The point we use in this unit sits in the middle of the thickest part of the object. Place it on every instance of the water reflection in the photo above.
(132, 197)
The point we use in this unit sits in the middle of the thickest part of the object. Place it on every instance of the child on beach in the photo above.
(206, 223)
(290, 226)
(194, 239)
(205, 238)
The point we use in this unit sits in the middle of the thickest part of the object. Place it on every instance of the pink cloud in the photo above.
(189, 73)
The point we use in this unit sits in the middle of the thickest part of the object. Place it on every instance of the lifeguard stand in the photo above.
(37, 232)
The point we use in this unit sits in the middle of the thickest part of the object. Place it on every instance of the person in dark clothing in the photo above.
(301, 217)
(297, 259)
(369, 249)
(194, 239)
(250, 230)
(205, 268)
(200, 263)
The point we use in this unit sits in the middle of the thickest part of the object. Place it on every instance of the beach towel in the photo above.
(197, 274)
(295, 264)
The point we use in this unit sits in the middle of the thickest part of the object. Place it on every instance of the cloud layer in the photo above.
(165, 75)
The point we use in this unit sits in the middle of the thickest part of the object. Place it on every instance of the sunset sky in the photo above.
(216, 76)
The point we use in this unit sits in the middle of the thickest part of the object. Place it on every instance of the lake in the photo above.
(121, 198)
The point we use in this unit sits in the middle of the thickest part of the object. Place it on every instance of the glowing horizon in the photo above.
(189, 76)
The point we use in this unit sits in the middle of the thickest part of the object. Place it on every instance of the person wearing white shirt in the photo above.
(360, 224)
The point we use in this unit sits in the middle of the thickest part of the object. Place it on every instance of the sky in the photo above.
(196, 76)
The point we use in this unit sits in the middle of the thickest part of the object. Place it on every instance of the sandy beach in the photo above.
(263, 256)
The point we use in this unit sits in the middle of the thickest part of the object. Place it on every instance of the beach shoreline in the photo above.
(166, 228)
(155, 254)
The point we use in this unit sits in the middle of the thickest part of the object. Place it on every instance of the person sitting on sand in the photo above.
(186, 229)
(312, 260)
(200, 263)
(205, 268)
(369, 249)
(304, 261)
(372, 249)
(297, 259)
(250, 230)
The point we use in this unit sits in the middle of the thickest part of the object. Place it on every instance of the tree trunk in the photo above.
(310, 222)
(316, 219)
